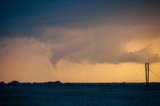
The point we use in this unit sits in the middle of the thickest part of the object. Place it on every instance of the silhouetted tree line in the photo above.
(77, 85)
(19, 84)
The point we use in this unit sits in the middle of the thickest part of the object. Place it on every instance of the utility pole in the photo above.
(147, 75)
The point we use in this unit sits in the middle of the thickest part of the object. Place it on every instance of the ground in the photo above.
(78, 96)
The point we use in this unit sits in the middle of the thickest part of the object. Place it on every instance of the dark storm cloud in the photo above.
(78, 30)
(26, 16)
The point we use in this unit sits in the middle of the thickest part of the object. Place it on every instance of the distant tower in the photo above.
(147, 74)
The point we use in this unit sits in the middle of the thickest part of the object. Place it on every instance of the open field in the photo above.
(79, 95)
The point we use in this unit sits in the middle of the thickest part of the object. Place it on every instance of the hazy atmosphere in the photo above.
(79, 40)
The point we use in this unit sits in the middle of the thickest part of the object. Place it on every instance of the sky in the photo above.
(79, 40)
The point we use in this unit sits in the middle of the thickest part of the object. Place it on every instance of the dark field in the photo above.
(79, 94)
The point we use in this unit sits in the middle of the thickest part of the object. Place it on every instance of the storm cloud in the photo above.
(83, 39)
(100, 45)
(96, 31)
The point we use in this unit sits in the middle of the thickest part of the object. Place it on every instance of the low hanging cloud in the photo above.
(105, 44)
(141, 56)
(101, 44)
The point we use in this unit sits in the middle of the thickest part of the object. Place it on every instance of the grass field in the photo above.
(83, 96)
